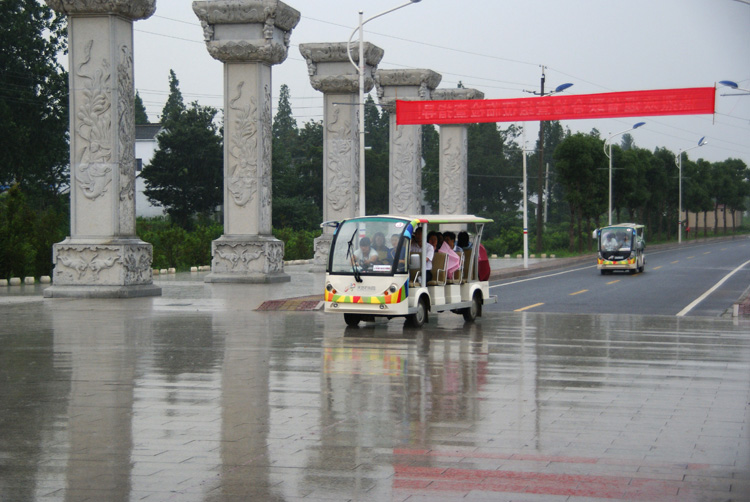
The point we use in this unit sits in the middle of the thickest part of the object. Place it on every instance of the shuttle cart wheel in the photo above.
(471, 313)
(420, 317)
(352, 320)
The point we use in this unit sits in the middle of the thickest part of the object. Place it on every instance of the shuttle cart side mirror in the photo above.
(595, 234)
(415, 262)
(331, 224)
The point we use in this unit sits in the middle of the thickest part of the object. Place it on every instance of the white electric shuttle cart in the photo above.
(621, 247)
(363, 286)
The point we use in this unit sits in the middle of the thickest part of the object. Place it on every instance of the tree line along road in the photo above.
(678, 281)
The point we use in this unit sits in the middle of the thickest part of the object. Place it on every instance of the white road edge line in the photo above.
(716, 286)
(540, 277)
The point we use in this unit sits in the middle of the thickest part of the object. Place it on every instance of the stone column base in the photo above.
(97, 268)
(322, 246)
(247, 259)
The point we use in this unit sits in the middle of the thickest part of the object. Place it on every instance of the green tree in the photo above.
(631, 186)
(662, 178)
(297, 169)
(33, 100)
(141, 117)
(729, 189)
(175, 106)
(17, 222)
(185, 175)
(494, 176)
(580, 161)
(377, 125)
(431, 167)
(284, 125)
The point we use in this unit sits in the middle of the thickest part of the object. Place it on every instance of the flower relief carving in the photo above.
(275, 258)
(267, 144)
(208, 31)
(126, 123)
(243, 147)
(339, 161)
(137, 264)
(93, 127)
(269, 25)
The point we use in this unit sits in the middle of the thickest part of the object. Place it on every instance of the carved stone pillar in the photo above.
(103, 256)
(405, 155)
(454, 148)
(248, 36)
(332, 73)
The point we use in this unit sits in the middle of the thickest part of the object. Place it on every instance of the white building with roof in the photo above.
(145, 146)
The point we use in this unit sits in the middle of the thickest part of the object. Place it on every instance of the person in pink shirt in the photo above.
(454, 262)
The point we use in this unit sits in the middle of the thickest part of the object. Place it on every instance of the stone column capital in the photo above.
(414, 85)
(133, 9)
(331, 71)
(247, 31)
(456, 94)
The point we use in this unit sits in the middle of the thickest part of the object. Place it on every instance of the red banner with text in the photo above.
(694, 101)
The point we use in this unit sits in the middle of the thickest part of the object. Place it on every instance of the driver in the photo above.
(365, 255)
(610, 243)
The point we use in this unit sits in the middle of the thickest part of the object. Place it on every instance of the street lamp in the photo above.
(609, 155)
(539, 215)
(736, 87)
(701, 142)
(361, 70)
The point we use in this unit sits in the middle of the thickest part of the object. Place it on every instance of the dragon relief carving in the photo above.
(94, 172)
(236, 258)
(452, 187)
(339, 162)
(81, 264)
(406, 187)
(243, 148)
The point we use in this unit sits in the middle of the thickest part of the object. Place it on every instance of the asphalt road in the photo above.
(674, 283)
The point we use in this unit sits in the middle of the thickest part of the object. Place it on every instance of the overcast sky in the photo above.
(498, 47)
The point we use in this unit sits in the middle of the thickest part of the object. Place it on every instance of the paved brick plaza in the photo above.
(196, 396)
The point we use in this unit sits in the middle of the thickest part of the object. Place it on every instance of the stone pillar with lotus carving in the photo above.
(332, 73)
(102, 257)
(405, 153)
(248, 36)
(454, 168)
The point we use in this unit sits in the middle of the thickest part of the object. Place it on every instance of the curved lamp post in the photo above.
(701, 142)
(609, 155)
(736, 87)
(541, 191)
(361, 70)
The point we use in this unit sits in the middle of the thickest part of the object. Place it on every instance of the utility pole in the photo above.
(540, 173)
(540, 180)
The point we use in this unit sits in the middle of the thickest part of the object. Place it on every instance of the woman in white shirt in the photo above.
(429, 251)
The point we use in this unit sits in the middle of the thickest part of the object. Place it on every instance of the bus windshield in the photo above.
(370, 246)
(616, 240)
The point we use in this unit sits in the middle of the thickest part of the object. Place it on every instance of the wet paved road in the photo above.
(197, 397)
(673, 280)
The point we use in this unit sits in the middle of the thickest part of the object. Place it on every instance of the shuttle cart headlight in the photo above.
(329, 287)
(393, 288)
